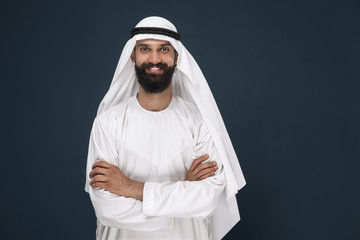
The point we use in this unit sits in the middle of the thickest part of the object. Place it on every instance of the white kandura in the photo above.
(157, 148)
(189, 83)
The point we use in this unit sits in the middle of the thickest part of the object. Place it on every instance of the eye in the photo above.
(165, 49)
(144, 49)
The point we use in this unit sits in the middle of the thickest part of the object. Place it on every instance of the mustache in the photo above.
(158, 65)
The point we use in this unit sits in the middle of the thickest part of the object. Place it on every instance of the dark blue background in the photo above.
(285, 75)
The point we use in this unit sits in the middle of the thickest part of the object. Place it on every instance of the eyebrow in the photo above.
(165, 44)
(142, 45)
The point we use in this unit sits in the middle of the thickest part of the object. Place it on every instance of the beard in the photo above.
(154, 83)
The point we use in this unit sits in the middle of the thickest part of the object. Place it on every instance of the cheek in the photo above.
(170, 61)
(139, 61)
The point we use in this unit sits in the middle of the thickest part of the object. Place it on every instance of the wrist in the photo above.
(136, 190)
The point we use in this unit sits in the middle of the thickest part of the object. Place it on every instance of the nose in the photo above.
(154, 57)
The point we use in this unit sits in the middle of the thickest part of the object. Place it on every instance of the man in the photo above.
(160, 163)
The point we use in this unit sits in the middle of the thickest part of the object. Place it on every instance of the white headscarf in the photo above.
(189, 83)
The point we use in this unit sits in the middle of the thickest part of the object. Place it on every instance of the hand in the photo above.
(199, 171)
(109, 177)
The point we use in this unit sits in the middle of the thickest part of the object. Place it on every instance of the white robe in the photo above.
(156, 148)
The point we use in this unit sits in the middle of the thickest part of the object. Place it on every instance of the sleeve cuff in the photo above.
(149, 200)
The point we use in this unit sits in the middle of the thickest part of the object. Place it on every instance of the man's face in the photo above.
(155, 62)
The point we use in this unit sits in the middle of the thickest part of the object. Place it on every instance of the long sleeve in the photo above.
(113, 210)
(184, 199)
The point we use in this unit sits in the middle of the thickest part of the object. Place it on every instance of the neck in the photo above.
(154, 101)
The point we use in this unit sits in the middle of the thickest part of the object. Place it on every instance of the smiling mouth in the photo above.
(154, 70)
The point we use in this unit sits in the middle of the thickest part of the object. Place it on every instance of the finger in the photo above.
(206, 176)
(99, 178)
(192, 178)
(206, 171)
(97, 171)
(206, 165)
(99, 185)
(102, 164)
(197, 161)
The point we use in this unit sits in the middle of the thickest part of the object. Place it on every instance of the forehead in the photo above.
(152, 43)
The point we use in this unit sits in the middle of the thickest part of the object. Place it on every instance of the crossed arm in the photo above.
(109, 177)
(127, 204)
